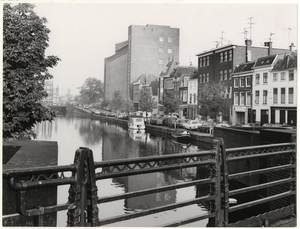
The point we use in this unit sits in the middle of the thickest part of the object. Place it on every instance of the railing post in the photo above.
(83, 194)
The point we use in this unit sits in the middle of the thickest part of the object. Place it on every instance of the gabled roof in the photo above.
(181, 70)
(287, 62)
(168, 67)
(265, 61)
(244, 67)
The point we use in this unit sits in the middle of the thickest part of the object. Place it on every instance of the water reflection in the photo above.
(110, 142)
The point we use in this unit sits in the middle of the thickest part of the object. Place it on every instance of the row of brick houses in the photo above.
(261, 83)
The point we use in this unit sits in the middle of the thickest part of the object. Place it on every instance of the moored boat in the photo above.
(136, 123)
(181, 136)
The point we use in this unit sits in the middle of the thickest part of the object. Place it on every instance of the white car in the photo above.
(222, 125)
(192, 125)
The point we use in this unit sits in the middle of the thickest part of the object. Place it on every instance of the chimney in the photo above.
(269, 44)
(292, 47)
(248, 50)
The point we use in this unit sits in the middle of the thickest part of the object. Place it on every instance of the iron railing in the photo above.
(83, 201)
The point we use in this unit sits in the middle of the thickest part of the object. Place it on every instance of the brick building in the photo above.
(147, 51)
(217, 64)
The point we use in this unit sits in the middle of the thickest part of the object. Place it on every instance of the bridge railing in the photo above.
(83, 200)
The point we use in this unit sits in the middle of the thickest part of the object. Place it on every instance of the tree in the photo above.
(105, 103)
(25, 69)
(212, 100)
(146, 101)
(171, 102)
(91, 91)
(117, 101)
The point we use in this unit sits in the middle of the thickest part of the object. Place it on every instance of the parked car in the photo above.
(192, 125)
(175, 115)
(180, 123)
(121, 115)
(153, 119)
(222, 125)
(97, 112)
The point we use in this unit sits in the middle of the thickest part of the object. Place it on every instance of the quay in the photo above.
(266, 173)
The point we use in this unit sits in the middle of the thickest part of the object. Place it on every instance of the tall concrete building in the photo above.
(147, 51)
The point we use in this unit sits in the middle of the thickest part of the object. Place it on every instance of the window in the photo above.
(203, 64)
(257, 79)
(184, 96)
(200, 62)
(248, 81)
(170, 39)
(230, 55)
(265, 96)
(161, 50)
(195, 98)
(229, 73)
(291, 95)
(242, 82)
(225, 56)
(236, 82)
(282, 76)
(265, 77)
(275, 76)
(282, 95)
(228, 93)
(225, 74)
(204, 78)
(221, 75)
(170, 51)
(291, 75)
(242, 99)
(161, 39)
(221, 57)
(191, 95)
(207, 77)
(256, 97)
(236, 98)
(248, 98)
(207, 61)
(200, 78)
(161, 61)
(275, 95)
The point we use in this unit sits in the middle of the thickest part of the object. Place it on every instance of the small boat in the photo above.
(181, 136)
(136, 123)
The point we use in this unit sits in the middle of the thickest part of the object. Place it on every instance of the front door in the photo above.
(264, 117)
(282, 116)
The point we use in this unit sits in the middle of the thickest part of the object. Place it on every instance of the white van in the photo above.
(136, 123)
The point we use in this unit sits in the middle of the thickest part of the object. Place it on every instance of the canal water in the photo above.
(111, 141)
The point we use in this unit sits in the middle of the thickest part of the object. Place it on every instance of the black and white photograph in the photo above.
(178, 113)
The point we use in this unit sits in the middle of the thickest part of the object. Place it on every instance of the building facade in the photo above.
(48, 101)
(147, 51)
(217, 64)
(192, 100)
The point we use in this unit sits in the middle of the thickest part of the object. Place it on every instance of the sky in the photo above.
(84, 34)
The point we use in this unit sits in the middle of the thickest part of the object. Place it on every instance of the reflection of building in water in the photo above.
(137, 135)
(44, 129)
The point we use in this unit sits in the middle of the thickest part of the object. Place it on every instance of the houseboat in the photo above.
(136, 123)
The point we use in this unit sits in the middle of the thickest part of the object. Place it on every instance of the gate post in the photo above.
(83, 193)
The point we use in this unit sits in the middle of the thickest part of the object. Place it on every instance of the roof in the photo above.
(168, 67)
(244, 67)
(181, 70)
(287, 62)
(265, 61)
(145, 79)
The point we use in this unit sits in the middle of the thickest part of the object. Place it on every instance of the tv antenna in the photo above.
(250, 23)
(245, 34)
(271, 34)
(222, 38)
(217, 42)
(289, 34)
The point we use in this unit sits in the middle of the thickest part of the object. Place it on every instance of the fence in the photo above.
(83, 201)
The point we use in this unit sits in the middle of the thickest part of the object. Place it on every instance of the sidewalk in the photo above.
(290, 222)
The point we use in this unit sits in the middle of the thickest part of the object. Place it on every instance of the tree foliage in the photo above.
(92, 90)
(171, 102)
(212, 101)
(117, 101)
(146, 101)
(25, 69)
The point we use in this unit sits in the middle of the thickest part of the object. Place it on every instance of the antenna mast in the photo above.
(289, 34)
(271, 34)
(250, 23)
(222, 38)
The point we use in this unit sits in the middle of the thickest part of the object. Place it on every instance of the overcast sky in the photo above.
(83, 34)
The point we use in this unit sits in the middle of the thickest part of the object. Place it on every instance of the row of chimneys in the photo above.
(267, 44)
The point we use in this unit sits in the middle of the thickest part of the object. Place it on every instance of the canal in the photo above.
(111, 141)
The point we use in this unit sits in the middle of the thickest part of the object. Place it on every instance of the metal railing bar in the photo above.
(188, 220)
(261, 171)
(259, 147)
(138, 171)
(261, 201)
(154, 210)
(40, 184)
(153, 190)
(152, 158)
(38, 170)
(230, 159)
(261, 186)
(50, 209)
